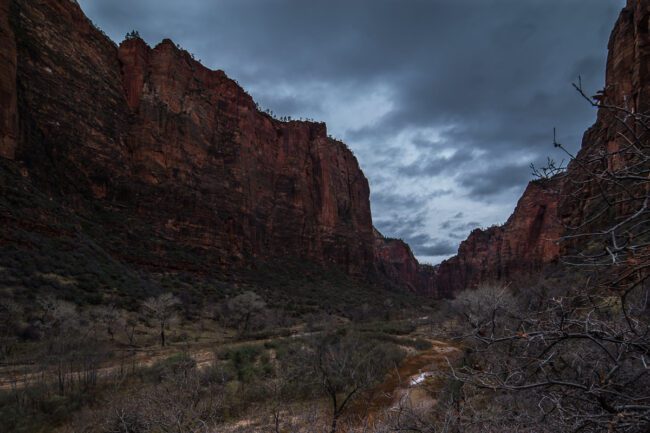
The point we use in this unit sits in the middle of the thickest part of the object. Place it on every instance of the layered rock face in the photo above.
(265, 187)
(166, 157)
(169, 153)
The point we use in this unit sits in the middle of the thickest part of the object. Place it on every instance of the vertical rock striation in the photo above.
(627, 86)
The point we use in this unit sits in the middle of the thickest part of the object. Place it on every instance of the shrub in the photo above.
(180, 364)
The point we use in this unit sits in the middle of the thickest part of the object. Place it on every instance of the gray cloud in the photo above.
(458, 236)
(402, 225)
(393, 201)
(439, 248)
(445, 102)
(438, 165)
(457, 224)
(484, 184)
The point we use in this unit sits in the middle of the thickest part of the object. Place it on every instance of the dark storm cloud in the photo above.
(392, 201)
(435, 95)
(454, 225)
(396, 201)
(439, 248)
(425, 245)
(484, 184)
(401, 225)
(438, 165)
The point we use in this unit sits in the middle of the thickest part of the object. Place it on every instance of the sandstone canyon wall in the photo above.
(627, 87)
(522, 246)
(395, 262)
(167, 153)
(8, 96)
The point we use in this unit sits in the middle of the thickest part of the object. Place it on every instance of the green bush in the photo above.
(176, 365)
(247, 363)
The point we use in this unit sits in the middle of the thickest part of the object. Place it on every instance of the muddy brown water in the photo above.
(414, 380)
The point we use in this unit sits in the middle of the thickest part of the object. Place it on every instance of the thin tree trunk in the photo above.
(335, 412)
(162, 334)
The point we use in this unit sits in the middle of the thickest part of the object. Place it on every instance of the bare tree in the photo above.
(10, 314)
(242, 309)
(110, 317)
(183, 403)
(161, 309)
(345, 365)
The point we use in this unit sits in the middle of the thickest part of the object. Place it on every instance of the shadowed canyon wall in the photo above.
(176, 150)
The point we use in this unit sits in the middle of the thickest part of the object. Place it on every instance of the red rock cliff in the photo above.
(395, 262)
(522, 246)
(178, 155)
(627, 86)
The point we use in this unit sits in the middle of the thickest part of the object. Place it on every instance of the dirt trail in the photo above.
(19, 376)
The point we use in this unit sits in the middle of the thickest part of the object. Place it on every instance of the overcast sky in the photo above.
(444, 102)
